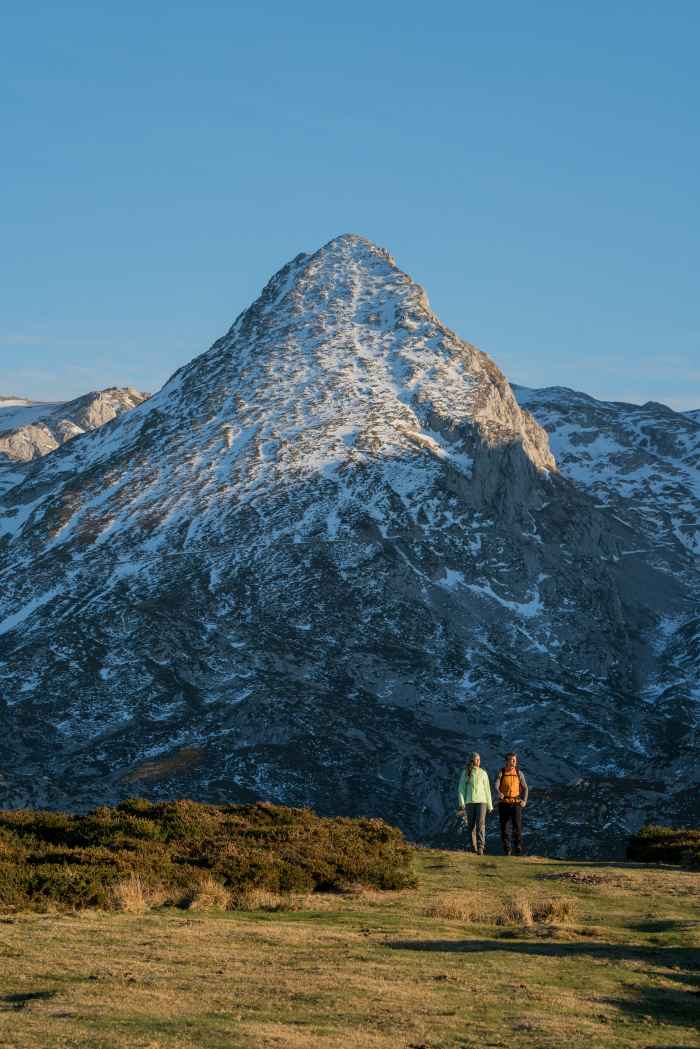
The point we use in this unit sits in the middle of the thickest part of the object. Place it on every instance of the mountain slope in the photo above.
(642, 465)
(639, 460)
(30, 429)
(327, 559)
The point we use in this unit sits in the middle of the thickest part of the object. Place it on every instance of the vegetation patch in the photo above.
(163, 767)
(584, 878)
(678, 845)
(459, 906)
(525, 911)
(138, 855)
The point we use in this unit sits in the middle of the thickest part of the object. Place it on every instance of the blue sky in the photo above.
(534, 166)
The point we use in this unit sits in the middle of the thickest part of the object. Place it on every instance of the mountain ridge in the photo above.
(31, 429)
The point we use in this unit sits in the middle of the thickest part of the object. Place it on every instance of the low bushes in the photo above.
(189, 854)
(678, 845)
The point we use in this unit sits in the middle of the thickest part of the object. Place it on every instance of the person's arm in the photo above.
(489, 802)
(462, 789)
(523, 788)
(497, 784)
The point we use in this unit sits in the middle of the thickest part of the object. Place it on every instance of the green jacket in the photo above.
(476, 789)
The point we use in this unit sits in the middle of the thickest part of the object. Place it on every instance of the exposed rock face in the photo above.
(642, 465)
(331, 556)
(640, 461)
(31, 429)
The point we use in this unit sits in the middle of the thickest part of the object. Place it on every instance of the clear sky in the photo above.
(533, 165)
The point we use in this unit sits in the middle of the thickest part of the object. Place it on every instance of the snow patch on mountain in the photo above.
(640, 461)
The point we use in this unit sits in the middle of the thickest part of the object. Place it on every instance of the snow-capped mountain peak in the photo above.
(331, 555)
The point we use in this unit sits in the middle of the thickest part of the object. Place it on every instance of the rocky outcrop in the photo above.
(331, 556)
(32, 429)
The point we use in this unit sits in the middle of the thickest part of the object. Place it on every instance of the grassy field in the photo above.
(485, 952)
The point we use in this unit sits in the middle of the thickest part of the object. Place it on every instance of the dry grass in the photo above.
(522, 910)
(263, 900)
(459, 906)
(555, 910)
(516, 911)
(133, 897)
(210, 894)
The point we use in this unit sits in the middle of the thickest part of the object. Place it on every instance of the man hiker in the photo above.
(512, 791)
(474, 793)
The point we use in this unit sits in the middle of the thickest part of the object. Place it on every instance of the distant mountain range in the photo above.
(30, 429)
(335, 553)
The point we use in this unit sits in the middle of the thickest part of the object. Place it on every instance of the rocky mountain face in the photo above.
(330, 557)
(30, 429)
(641, 464)
(639, 461)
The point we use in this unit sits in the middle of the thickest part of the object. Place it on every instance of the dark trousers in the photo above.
(511, 814)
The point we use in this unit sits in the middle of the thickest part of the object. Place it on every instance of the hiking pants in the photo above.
(513, 814)
(476, 824)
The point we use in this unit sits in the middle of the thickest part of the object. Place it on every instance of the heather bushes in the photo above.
(177, 851)
(679, 845)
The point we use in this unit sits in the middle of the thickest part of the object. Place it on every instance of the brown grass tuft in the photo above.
(521, 910)
(461, 907)
(516, 911)
(130, 895)
(556, 909)
(210, 894)
(262, 900)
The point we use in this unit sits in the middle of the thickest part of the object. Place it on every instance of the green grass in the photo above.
(618, 966)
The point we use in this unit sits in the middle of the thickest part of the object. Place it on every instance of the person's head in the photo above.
(511, 760)
(475, 759)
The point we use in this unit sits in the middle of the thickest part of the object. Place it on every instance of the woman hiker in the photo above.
(474, 792)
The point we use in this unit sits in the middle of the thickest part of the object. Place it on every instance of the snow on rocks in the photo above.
(333, 550)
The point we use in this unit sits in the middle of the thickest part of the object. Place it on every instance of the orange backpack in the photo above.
(510, 774)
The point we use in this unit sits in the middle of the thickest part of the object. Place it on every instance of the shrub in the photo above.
(136, 853)
(677, 845)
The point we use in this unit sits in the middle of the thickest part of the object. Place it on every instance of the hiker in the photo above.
(512, 791)
(474, 793)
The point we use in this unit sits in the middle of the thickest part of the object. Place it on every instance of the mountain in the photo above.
(29, 429)
(330, 557)
(639, 461)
